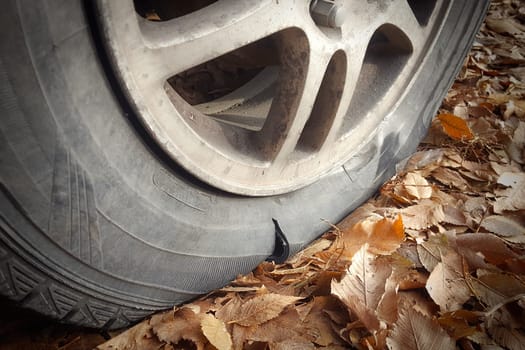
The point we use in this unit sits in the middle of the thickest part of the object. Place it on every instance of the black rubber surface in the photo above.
(98, 228)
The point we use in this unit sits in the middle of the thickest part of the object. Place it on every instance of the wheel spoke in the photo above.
(365, 18)
(355, 54)
(300, 83)
(402, 16)
(188, 41)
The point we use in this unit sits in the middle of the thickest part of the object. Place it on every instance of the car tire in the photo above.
(100, 226)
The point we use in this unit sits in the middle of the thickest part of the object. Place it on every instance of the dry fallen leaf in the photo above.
(503, 226)
(362, 287)
(447, 285)
(413, 331)
(417, 186)
(261, 309)
(216, 333)
(184, 323)
(488, 247)
(139, 337)
(512, 198)
(383, 235)
(423, 215)
(455, 127)
(451, 178)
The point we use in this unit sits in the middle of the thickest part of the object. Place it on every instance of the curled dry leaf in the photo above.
(420, 302)
(404, 276)
(413, 331)
(460, 323)
(386, 236)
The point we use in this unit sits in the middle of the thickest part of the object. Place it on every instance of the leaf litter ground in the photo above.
(436, 260)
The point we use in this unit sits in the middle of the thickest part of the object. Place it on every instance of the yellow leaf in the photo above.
(215, 331)
(455, 127)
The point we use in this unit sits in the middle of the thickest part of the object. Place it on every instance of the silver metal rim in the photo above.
(340, 73)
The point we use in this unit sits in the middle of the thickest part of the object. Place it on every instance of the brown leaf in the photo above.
(415, 300)
(261, 308)
(139, 337)
(363, 286)
(494, 288)
(455, 127)
(423, 215)
(413, 331)
(314, 248)
(446, 284)
(454, 215)
(506, 26)
(451, 178)
(510, 338)
(460, 323)
(293, 344)
(516, 148)
(320, 321)
(285, 326)
(417, 186)
(424, 159)
(383, 235)
(512, 198)
(386, 236)
(486, 246)
(430, 252)
(184, 323)
(503, 226)
(215, 331)
(402, 269)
